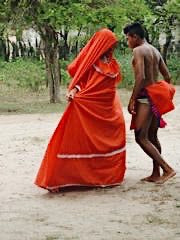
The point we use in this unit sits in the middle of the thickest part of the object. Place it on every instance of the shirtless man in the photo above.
(147, 63)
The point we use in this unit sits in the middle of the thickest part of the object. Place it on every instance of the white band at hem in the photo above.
(83, 185)
(91, 155)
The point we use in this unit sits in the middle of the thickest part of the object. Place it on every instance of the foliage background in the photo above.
(84, 17)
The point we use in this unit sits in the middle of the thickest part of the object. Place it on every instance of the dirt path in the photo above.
(132, 211)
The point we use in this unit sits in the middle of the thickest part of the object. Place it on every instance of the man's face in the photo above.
(131, 40)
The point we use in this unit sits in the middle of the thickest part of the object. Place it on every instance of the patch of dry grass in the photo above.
(16, 100)
(20, 100)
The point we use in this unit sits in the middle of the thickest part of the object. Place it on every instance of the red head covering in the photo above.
(100, 42)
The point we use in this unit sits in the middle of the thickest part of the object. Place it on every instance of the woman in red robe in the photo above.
(88, 145)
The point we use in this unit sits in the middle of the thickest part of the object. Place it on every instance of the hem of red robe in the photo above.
(95, 172)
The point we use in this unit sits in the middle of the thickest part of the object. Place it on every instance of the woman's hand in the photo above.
(70, 95)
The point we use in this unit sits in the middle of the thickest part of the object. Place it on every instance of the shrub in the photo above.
(126, 68)
(174, 68)
(23, 73)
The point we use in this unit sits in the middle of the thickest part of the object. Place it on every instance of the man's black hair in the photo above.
(135, 28)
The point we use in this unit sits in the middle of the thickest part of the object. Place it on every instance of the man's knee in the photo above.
(139, 136)
(153, 139)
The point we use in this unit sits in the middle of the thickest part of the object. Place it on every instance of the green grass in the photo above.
(22, 73)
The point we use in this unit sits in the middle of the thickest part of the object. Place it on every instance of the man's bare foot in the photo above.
(150, 179)
(165, 177)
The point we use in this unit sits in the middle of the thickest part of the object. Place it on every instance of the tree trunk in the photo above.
(76, 45)
(65, 49)
(57, 75)
(21, 49)
(7, 51)
(3, 49)
(166, 46)
(51, 53)
(15, 50)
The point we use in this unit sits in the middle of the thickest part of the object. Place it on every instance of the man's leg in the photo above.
(143, 120)
(152, 135)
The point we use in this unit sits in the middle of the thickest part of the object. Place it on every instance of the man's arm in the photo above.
(138, 63)
(164, 70)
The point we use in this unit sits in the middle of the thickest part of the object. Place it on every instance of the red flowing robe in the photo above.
(88, 145)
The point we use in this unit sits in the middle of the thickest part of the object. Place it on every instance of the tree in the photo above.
(4, 22)
(53, 19)
(165, 14)
(56, 18)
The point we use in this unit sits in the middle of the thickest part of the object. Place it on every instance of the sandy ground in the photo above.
(132, 211)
